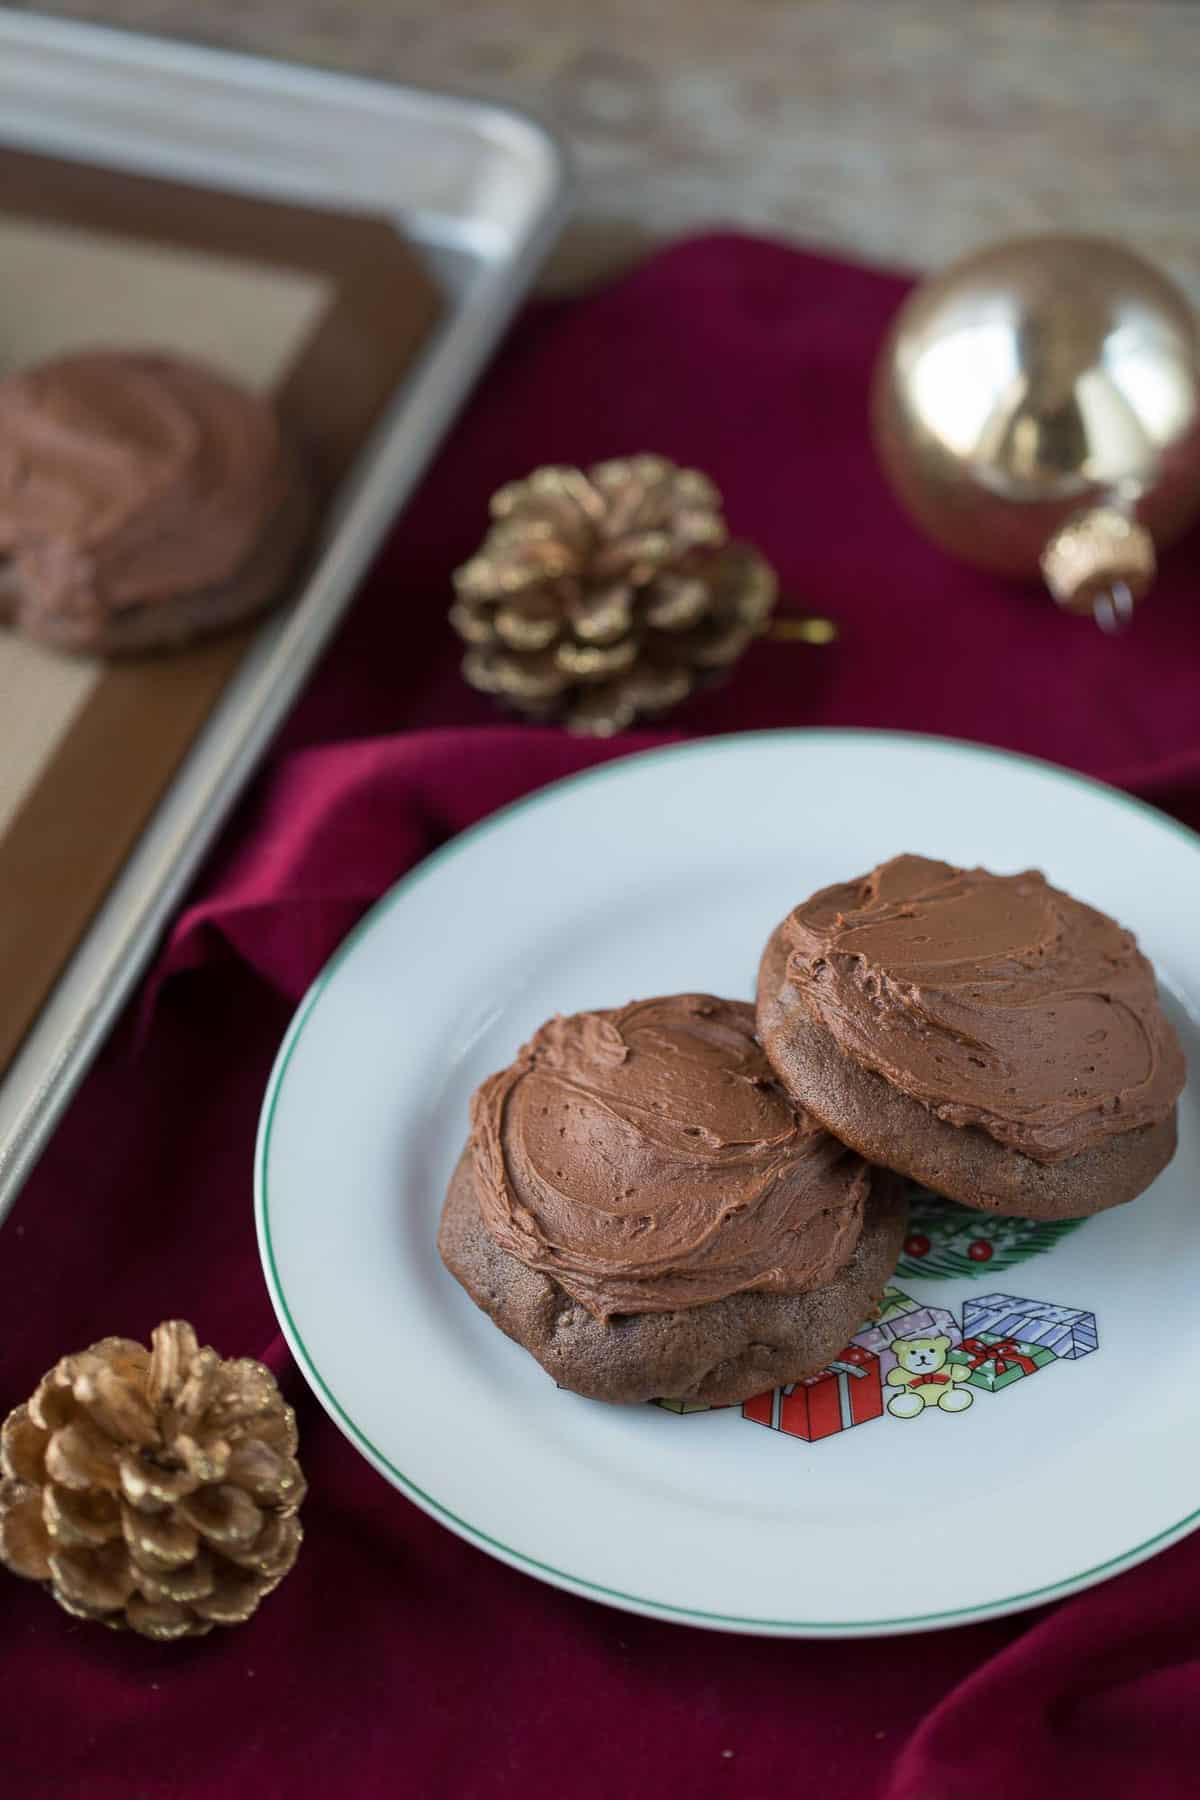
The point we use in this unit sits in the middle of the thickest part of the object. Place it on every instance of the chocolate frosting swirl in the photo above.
(128, 478)
(994, 1000)
(648, 1160)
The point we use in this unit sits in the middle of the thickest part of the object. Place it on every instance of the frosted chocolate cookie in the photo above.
(144, 501)
(642, 1207)
(986, 1034)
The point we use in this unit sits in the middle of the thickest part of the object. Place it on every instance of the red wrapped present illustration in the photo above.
(849, 1391)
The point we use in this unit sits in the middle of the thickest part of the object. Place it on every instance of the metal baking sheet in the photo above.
(478, 189)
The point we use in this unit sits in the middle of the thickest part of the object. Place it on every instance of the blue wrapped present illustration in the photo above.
(1068, 1331)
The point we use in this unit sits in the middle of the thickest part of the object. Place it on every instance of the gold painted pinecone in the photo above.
(153, 1488)
(603, 595)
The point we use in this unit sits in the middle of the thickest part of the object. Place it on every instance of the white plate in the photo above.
(662, 873)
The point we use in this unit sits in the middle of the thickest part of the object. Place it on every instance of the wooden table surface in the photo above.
(899, 131)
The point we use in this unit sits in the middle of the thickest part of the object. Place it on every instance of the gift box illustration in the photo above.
(996, 1361)
(901, 1316)
(1066, 1330)
(847, 1392)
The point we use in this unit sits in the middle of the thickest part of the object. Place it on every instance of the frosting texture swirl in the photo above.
(994, 1000)
(647, 1159)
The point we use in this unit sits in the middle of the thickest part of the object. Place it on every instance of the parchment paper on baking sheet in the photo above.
(325, 309)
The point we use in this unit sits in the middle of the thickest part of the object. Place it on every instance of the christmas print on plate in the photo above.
(934, 1362)
(991, 1362)
(901, 1317)
(949, 1242)
(845, 1393)
(1063, 1329)
(912, 1357)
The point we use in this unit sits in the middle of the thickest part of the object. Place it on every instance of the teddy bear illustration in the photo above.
(925, 1378)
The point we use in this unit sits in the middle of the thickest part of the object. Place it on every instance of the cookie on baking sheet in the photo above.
(642, 1207)
(145, 500)
(985, 1034)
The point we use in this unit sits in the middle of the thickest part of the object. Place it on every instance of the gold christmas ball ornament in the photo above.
(1037, 409)
(154, 1489)
(604, 595)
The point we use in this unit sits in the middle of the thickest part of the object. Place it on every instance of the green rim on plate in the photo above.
(520, 1559)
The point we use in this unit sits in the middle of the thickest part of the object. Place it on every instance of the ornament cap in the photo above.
(1101, 562)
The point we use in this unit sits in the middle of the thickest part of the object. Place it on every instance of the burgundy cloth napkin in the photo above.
(397, 1659)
